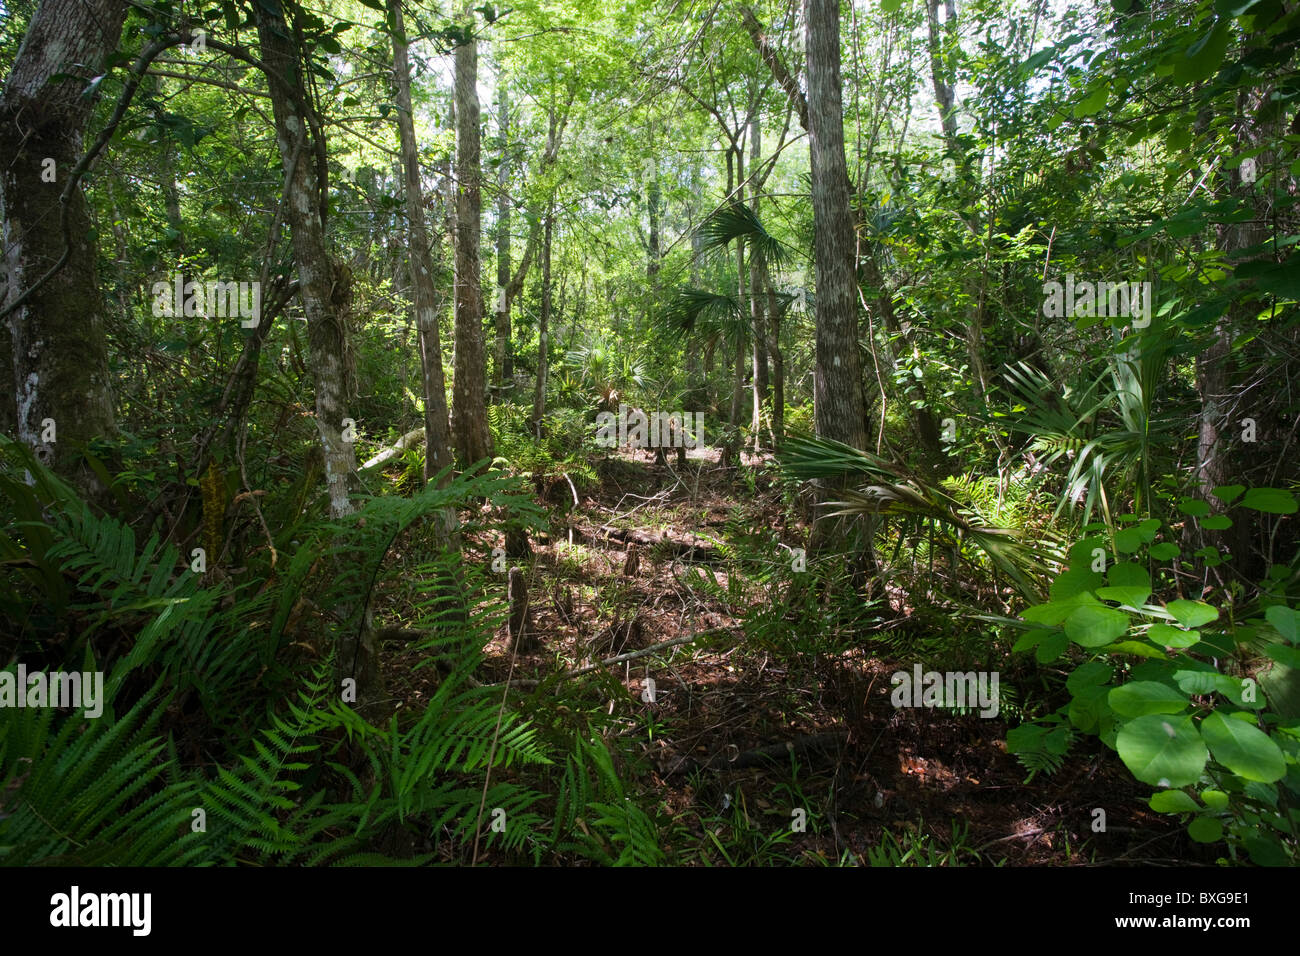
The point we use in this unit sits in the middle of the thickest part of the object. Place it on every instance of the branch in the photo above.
(772, 58)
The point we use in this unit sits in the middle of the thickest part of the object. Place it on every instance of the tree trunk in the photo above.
(59, 366)
(504, 364)
(778, 362)
(437, 445)
(757, 300)
(321, 283)
(543, 327)
(469, 423)
(838, 408)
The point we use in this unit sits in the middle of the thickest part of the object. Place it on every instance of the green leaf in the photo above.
(1163, 551)
(1051, 648)
(1193, 507)
(1094, 102)
(1139, 698)
(890, 6)
(1166, 635)
(1203, 57)
(1088, 675)
(1216, 523)
(1095, 625)
(1214, 799)
(1243, 748)
(1273, 501)
(1285, 621)
(1228, 493)
(1162, 750)
(1205, 830)
(1030, 639)
(1132, 596)
(1137, 648)
(1128, 540)
(1284, 654)
(1192, 613)
(1173, 801)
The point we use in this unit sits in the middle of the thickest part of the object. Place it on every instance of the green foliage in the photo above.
(1173, 689)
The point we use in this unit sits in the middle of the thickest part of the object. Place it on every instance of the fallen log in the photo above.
(409, 440)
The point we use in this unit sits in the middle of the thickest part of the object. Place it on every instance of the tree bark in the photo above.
(838, 402)
(469, 423)
(322, 284)
(59, 350)
(543, 327)
(437, 445)
(757, 300)
(504, 364)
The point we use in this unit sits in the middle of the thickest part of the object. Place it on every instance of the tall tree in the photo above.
(469, 423)
(60, 373)
(437, 444)
(503, 365)
(323, 285)
(838, 407)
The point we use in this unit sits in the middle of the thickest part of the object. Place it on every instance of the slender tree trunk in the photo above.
(322, 284)
(757, 300)
(777, 361)
(469, 423)
(504, 360)
(437, 445)
(543, 326)
(60, 380)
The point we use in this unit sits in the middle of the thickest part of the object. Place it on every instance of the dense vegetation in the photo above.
(596, 433)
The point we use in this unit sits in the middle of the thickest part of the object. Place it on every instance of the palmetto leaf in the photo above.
(889, 491)
(738, 223)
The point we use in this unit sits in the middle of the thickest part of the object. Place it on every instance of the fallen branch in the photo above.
(409, 440)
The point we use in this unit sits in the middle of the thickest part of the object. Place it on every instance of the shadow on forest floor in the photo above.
(742, 733)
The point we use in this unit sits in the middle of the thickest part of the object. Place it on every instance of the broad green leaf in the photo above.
(1094, 102)
(1095, 625)
(1284, 654)
(1088, 675)
(1030, 639)
(1193, 507)
(1137, 648)
(1173, 801)
(1216, 523)
(1051, 648)
(1214, 799)
(1088, 706)
(1128, 574)
(1192, 613)
(890, 6)
(1166, 635)
(1139, 698)
(1132, 596)
(1273, 501)
(1244, 749)
(1162, 750)
(1203, 57)
(1285, 621)
(1128, 540)
(1228, 493)
(1163, 551)
(1205, 830)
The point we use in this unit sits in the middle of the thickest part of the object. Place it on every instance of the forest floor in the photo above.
(738, 736)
